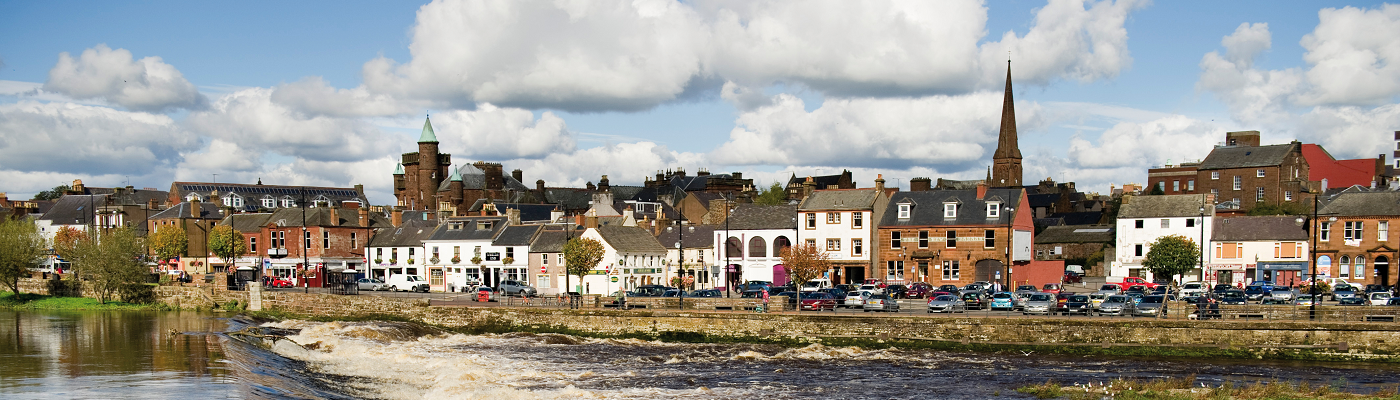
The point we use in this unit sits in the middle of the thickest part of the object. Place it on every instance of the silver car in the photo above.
(1117, 305)
(946, 303)
(516, 288)
(1040, 303)
(371, 284)
(1282, 293)
(855, 299)
(1151, 306)
(881, 302)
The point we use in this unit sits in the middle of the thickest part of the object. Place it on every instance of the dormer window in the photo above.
(193, 197)
(993, 210)
(483, 225)
(288, 202)
(904, 211)
(233, 200)
(950, 210)
(269, 202)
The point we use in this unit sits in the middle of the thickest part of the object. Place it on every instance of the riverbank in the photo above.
(1186, 388)
(30, 301)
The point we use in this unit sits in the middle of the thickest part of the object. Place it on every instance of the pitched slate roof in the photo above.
(74, 209)
(253, 194)
(321, 216)
(516, 235)
(839, 199)
(529, 212)
(756, 216)
(247, 222)
(1173, 205)
(550, 241)
(1357, 201)
(630, 239)
(404, 236)
(475, 178)
(821, 181)
(1076, 234)
(184, 210)
(570, 198)
(465, 228)
(1246, 157)
(950, 184)
(1272, 227)
(701, 238)
(927, 207)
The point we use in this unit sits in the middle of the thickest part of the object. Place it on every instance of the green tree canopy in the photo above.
(169, 241)
(582, 255)
(1172, 256)
(21, 248)
(226, 242)
(775, 194)
(54, 193)
(111, 263)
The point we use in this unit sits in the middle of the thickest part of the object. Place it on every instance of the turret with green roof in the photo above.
(428, 135)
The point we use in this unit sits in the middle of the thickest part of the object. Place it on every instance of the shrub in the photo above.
(64, 288)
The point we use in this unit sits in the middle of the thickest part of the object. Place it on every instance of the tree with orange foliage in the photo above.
(804, 263)
(65, 242)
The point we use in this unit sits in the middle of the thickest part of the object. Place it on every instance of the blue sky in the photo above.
(329, 93)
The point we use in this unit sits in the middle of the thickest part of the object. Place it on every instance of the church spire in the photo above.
(1006, 162)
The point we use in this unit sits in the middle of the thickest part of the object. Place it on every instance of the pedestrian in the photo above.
(765, 300)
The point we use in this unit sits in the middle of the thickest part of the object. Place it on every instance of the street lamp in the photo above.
(680, 265)
(1202, 222)
(1010, 236)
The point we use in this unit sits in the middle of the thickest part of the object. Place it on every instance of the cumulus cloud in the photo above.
(595, 56)
(623, 163)
(490, 131)
(315, 97)
(251, 119)
(72, 138)
(1140, 145)
(148, 84)
(1354, 56)
(951, 133)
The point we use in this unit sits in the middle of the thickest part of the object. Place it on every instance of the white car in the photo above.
(1193, 289)
(1378, 298)
(871, 288)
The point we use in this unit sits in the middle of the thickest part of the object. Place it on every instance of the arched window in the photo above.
(1324, 264)
(1342, 263)
(1358, 265)
(780, 243)
(733, 248)
(758, 247)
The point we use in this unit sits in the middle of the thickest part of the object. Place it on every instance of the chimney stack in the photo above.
(880, 184)
(981, 190)
(363, 214)
(335, 214)
(195, 208)
(396, 217)
(920, 184)
(518, 175)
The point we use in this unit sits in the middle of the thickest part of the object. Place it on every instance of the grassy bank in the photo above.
(1187, 388)
(30, 301)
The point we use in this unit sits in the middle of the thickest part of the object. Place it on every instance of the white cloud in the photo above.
(623, 163)
(744, 98)
(148, 84)
(314, 96)
(1141, 145)
(255, 123)
(1248, 41)
(950, 133)
(1354, 56)
(1351, 131)
(72, 138)
(502, 133)
(1071, 39)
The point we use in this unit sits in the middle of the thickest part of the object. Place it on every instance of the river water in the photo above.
(193, 355)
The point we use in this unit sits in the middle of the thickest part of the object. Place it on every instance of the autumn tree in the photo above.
(168, 242)
(65, 243)
(226, 243)
(1171, 256)
(580, 256)
(111, 264)
(804, 263)
(21, 249)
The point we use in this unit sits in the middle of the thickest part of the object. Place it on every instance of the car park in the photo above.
(1078, 304)
(975, 300)
(658, 290)
(1052, 288)
(873, 289)
(1351, 301)
(1378, 298)
(1003, 301)
(918, 290)
(834, 292)
(881, 302)
(1025, 289)
(1273, 301)
(946, 303)
(1372, 288)
(1151, 306)
(1136, 296)
(1233, 296)
(1062, 301)
(976, 287)
(897, 291)
(1097, 298)
(1117, 305)
(363, 283)
(816, 284)
(707, 293)
(1110, 289)
(1021, 299)
(818, 301)
(1282, 293)
(1136, 289)
(1394, 301)
(1220, 288)
(855, 299)
(949, 288)
(1040, 303)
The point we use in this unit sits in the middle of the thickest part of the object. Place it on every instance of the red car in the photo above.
(818, 301)
(1052, 288)
(279, 282)
(918, 290)
(878, 283)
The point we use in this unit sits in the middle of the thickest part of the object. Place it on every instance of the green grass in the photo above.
(30, 301)
(1186, 388)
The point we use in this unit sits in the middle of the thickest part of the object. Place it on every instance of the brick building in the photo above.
(954, 236)
(1174, 179)
(1076, 244)
(425, 180)
(1353, 239)
(331, 239)
(1246, 174)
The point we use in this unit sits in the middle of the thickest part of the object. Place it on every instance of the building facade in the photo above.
(1353, 236)
(1265, 248)
(841, 222)
(1144, 219)
(954, 237)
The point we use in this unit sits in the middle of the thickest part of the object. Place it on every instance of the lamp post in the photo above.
(680, 262)
(305, 238)
(1202, 222)
(1312, 308)
(728, 265)
(1010, 239)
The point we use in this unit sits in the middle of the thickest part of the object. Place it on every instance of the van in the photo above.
(813, 285)
(408, 283)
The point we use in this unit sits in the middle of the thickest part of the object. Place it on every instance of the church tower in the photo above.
(1006, 162)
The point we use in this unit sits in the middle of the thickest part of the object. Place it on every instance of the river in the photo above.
(184, 354)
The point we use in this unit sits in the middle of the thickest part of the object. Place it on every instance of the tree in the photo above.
(65, 243)
(226, 242)
(1172, 256)
(21, 248)
(53, 194)
(1156, 191)
(773, 195)
(804, 263)
(169, 242)
(582, 255)
(113, 263)
(1277, 209)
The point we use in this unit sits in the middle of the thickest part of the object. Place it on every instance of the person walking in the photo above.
(765, 301)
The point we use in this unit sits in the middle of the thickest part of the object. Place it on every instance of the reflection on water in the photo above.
(189, 355)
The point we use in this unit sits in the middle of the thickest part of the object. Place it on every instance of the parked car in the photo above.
(1117, 305)
(834, 292)
(1344, 291)
(918, 290)
(949, 288)
(748, 285)
(845, 287)
(517, 288)
(881, 302)
(946, 303)
(1040, 303)
(404, 282)
(1220, 288)
(1192, 289)
(1062, 301)
(1110, 289)
(815, 284)
(658, 290)
(896, 291)
(1282, 293)
(1351, 301)
(1233, 297)
(855, 299)
(484, 292)
(1394, 301)
(1072, 277)
(1003, 301)
(1021, 299)
(1378, 298)
(1097, 298)
(747, 294)
(1052, 288)
(1136, 289)
(1257, 290)
(873, 289)
(1151, 306)
(818, 301)
(1136, 296)
(975, 300)
(1078, 304)
(283, 283)
(1026, 289)
(1372, 288)
(1273, 301)
(363, 283)
(711, 293)
(1303, 300)
(977, 287)
(1126, 281)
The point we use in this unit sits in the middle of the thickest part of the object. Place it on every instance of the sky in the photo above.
(331, 93)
